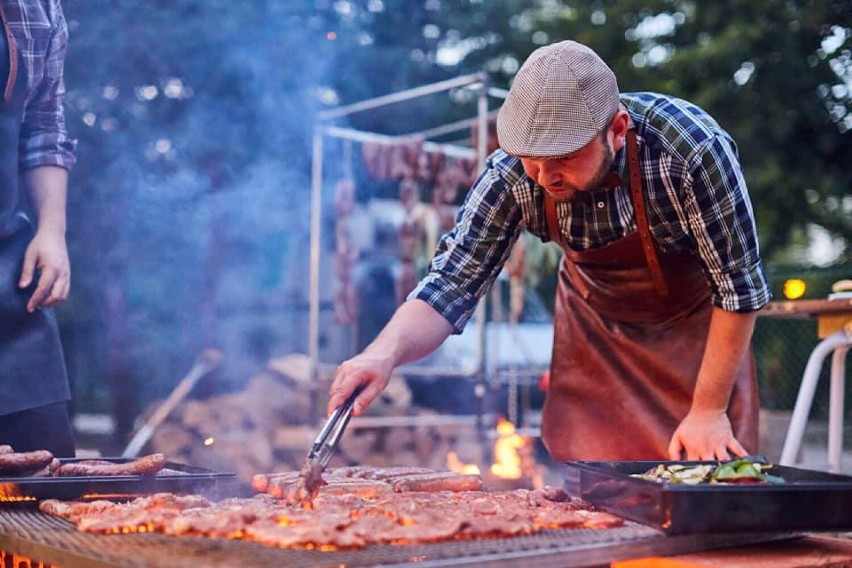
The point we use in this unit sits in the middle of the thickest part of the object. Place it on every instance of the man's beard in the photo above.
(604, 168)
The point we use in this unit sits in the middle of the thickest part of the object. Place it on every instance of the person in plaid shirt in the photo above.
(34, 267)
(661, 276)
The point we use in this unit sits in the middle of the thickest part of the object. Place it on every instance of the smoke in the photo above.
(189, 208)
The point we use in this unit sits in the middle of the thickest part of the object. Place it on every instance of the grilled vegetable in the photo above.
(742, 470)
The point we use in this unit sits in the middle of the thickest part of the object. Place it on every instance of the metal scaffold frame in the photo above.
(324, 127)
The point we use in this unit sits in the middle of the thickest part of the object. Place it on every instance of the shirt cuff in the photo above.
(742, 291)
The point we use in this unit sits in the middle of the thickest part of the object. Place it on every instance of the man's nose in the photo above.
(549, 176)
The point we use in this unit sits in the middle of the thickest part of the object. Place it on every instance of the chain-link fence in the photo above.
(782, 346)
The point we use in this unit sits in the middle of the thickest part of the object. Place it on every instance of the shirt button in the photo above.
(601, 204)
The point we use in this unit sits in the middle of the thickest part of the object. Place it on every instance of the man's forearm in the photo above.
(414, 331)
(727, 342)
(48, 187)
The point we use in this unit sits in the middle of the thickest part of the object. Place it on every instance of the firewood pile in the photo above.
(267, 427)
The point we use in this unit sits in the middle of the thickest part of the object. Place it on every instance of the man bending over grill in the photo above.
(661, 275)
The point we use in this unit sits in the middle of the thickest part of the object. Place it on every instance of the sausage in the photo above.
(440, 481)
(261, 481)
(22, 461)
(147, 465)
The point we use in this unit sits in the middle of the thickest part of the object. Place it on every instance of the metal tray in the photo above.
(180, 479)
(806, 501)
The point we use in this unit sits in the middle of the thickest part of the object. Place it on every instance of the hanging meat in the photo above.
(515, 269)
(411, 235)
(491, 143)
(345, 298)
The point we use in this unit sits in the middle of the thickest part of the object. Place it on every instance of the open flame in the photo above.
(507, 459)
(513, 457)
(455, 464)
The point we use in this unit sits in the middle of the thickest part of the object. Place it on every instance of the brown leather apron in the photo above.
(630, 327)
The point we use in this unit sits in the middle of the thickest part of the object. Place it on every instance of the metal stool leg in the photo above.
(835, 409)
(806, 393)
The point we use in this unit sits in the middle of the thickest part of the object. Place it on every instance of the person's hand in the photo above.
(705, 435)
(368, 369)
(48, 254)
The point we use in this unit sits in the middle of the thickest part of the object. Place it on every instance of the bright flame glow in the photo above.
(507, 461)
(455, 464)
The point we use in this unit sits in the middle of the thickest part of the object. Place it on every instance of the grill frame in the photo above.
(26, 531)
(186, 479)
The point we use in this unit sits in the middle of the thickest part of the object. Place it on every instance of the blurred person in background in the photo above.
(35, 156)
(661, 276)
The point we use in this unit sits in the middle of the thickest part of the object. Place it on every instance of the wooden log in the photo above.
(295, 438)
(231, 412)
(406, 458)
(397, 440)
(424, 442)
(173, 440)
(359, 445)
(196, 414)
(438, 458)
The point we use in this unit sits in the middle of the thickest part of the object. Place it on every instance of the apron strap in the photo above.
(556, 236)
(13, 57)
(642, 226)
(552, 219)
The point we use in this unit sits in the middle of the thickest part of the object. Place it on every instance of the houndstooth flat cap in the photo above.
(560, 99)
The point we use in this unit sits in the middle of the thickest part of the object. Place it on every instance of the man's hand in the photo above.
(705, 435)
(368, 369)
(48, 254)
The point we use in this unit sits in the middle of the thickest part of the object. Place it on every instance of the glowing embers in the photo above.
(9, 560)
(341, 521)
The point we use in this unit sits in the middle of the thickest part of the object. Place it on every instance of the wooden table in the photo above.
(831, 315)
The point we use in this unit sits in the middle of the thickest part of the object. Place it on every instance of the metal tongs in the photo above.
(329, 436)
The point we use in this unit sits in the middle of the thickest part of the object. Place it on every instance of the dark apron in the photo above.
(32, 369)
(630, 328)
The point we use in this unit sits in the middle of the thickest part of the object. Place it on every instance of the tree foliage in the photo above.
(776, 74)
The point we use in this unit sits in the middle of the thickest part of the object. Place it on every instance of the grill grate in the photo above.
(55, 541)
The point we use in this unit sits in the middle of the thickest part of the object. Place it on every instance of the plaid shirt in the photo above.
(695, 194)
(42, 36)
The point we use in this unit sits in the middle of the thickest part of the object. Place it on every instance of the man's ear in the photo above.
(618, 129)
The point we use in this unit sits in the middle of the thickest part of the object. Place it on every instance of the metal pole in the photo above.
(314, 300)
(447, 128)
(401, 96)
(362, 136)
(835, 407)
(498, 93)
(479, 388)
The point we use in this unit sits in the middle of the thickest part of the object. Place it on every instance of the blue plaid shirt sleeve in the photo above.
(44, 137)
(470, 256)
(721, 221)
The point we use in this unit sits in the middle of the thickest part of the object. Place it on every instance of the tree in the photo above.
(776, 74)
